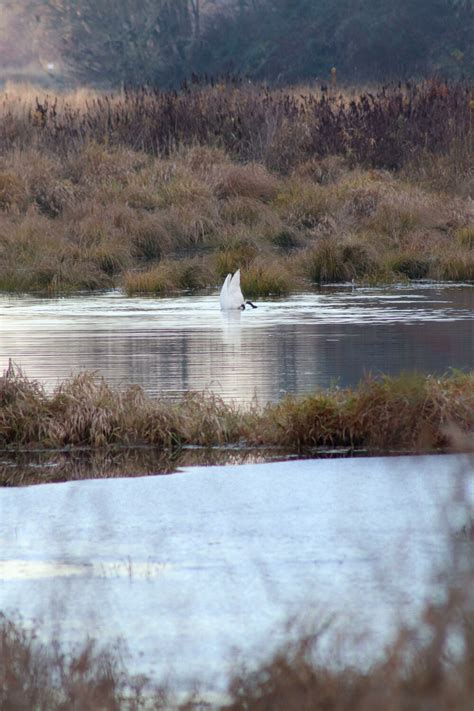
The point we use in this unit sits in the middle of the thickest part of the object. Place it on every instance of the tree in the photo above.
(161, 42)
(111, 42)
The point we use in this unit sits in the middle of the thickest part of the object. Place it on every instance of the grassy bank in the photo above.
(160, 192)
(409, 413)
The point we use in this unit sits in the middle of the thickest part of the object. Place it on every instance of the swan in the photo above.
(231, 296)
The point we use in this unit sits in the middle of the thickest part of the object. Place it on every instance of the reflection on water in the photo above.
(27, 467)
(285, 346)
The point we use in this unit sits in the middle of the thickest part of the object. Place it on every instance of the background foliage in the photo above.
(161, 42)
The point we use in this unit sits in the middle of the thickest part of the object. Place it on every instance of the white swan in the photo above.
(231, 296)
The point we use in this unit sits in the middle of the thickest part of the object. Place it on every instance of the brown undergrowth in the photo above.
(91, 198)
(408, 412)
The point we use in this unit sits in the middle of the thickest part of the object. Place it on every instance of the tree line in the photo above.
(164, 42)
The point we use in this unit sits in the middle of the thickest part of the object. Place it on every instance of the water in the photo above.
(188, 567)
(292, 345)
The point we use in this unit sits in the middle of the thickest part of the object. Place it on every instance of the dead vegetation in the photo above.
(406, 413)
(147, 191)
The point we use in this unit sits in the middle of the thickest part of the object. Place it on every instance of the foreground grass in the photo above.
(145, 191)
(408, 412)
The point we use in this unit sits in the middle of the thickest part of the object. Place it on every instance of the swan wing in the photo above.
(236, 298)
(224, 295)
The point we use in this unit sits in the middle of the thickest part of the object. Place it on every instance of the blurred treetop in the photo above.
(162, 42)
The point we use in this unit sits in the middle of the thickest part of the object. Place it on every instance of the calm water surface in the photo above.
(189, 566)
(291, 345)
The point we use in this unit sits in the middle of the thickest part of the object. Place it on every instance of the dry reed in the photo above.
(408, 412)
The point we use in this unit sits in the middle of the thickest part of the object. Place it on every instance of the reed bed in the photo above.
(409, 413)
(252, 122)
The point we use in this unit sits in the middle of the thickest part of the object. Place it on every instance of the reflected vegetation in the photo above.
(41, 467)
(45, 467)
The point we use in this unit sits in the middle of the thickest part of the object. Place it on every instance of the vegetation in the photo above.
(281, 128)
(160, 42)
(158, 192)
(413, 413)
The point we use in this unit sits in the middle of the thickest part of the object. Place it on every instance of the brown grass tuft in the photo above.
(413, 413)
(250, 181)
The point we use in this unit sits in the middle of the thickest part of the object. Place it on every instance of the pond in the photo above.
(189, 567)
(291, 345)
(192, 566)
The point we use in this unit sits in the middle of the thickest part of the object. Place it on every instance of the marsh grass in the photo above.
(266, 279)
(280, 129)
(104, 191)
(409, 413)
(417, 671)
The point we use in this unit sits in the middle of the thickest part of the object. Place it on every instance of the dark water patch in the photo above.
(26, 468)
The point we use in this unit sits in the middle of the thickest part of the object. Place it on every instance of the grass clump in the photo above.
(459, 266)
(465, 236)
(247, 181)
(412, 413)
(325, 263)
(331, 262)
(265, 280)
(169, 276)
(410, 266)
(239, 254)
(13, 196)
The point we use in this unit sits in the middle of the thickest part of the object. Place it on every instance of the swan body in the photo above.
(231, 296)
